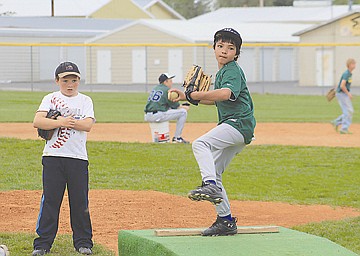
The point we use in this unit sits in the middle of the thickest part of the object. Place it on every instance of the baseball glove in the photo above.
(196, 80)
(330, 94)
(47, 134)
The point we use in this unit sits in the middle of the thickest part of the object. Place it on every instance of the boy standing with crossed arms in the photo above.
(215, 150)
(65, 161)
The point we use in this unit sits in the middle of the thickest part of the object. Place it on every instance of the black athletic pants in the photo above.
(59, 172)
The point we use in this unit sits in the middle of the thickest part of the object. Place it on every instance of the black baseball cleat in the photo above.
(208, 192)
(221, 227)
(179, 140)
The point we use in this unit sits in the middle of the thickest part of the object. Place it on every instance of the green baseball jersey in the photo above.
(347, 76)
(158, 100)
(238, 111)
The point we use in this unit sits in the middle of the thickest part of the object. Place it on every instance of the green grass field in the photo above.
(305, 175)
(129, 107)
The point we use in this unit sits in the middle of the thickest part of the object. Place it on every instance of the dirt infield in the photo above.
(305, 134)
(112, 211)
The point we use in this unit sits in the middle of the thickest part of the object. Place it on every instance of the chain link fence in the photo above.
(269, 68)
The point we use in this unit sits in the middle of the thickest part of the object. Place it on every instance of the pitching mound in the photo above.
(283, 243)
(114, 210)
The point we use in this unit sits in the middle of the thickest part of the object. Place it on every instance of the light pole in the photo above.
(52, 8)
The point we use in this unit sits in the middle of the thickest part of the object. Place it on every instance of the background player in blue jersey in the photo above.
(344, 98)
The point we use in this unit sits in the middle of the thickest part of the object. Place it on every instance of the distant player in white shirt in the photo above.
(65, 161)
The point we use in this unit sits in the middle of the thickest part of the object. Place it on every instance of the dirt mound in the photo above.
(114, 210)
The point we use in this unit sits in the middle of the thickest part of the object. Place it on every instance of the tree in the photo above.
(345, 2)
(283, 2)
(252, 3)
(190, 8)
(237, 3)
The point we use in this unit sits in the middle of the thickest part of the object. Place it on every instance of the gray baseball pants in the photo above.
(213, 152)
(179, 114)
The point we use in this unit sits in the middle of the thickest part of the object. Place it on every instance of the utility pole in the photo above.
(350, 5)
(261, 3)
(52, 8)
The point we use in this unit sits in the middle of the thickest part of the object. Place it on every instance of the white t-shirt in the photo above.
(67, 142)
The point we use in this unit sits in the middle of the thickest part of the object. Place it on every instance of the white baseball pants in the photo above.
(179, 114)
(213, 152)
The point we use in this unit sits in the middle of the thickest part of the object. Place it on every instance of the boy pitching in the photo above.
(215, 150)
(65, 161)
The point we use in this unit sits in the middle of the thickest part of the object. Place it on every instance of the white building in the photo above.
(137, 62)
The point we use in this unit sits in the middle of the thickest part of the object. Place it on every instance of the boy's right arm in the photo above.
(212, 96)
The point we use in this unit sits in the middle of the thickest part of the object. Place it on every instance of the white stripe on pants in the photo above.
(213, 152)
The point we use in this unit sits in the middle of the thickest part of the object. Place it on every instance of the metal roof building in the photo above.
(63, 8)
(203, 32)
(138, 63)
(55, 29)
(120, 9)
(282, 14)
